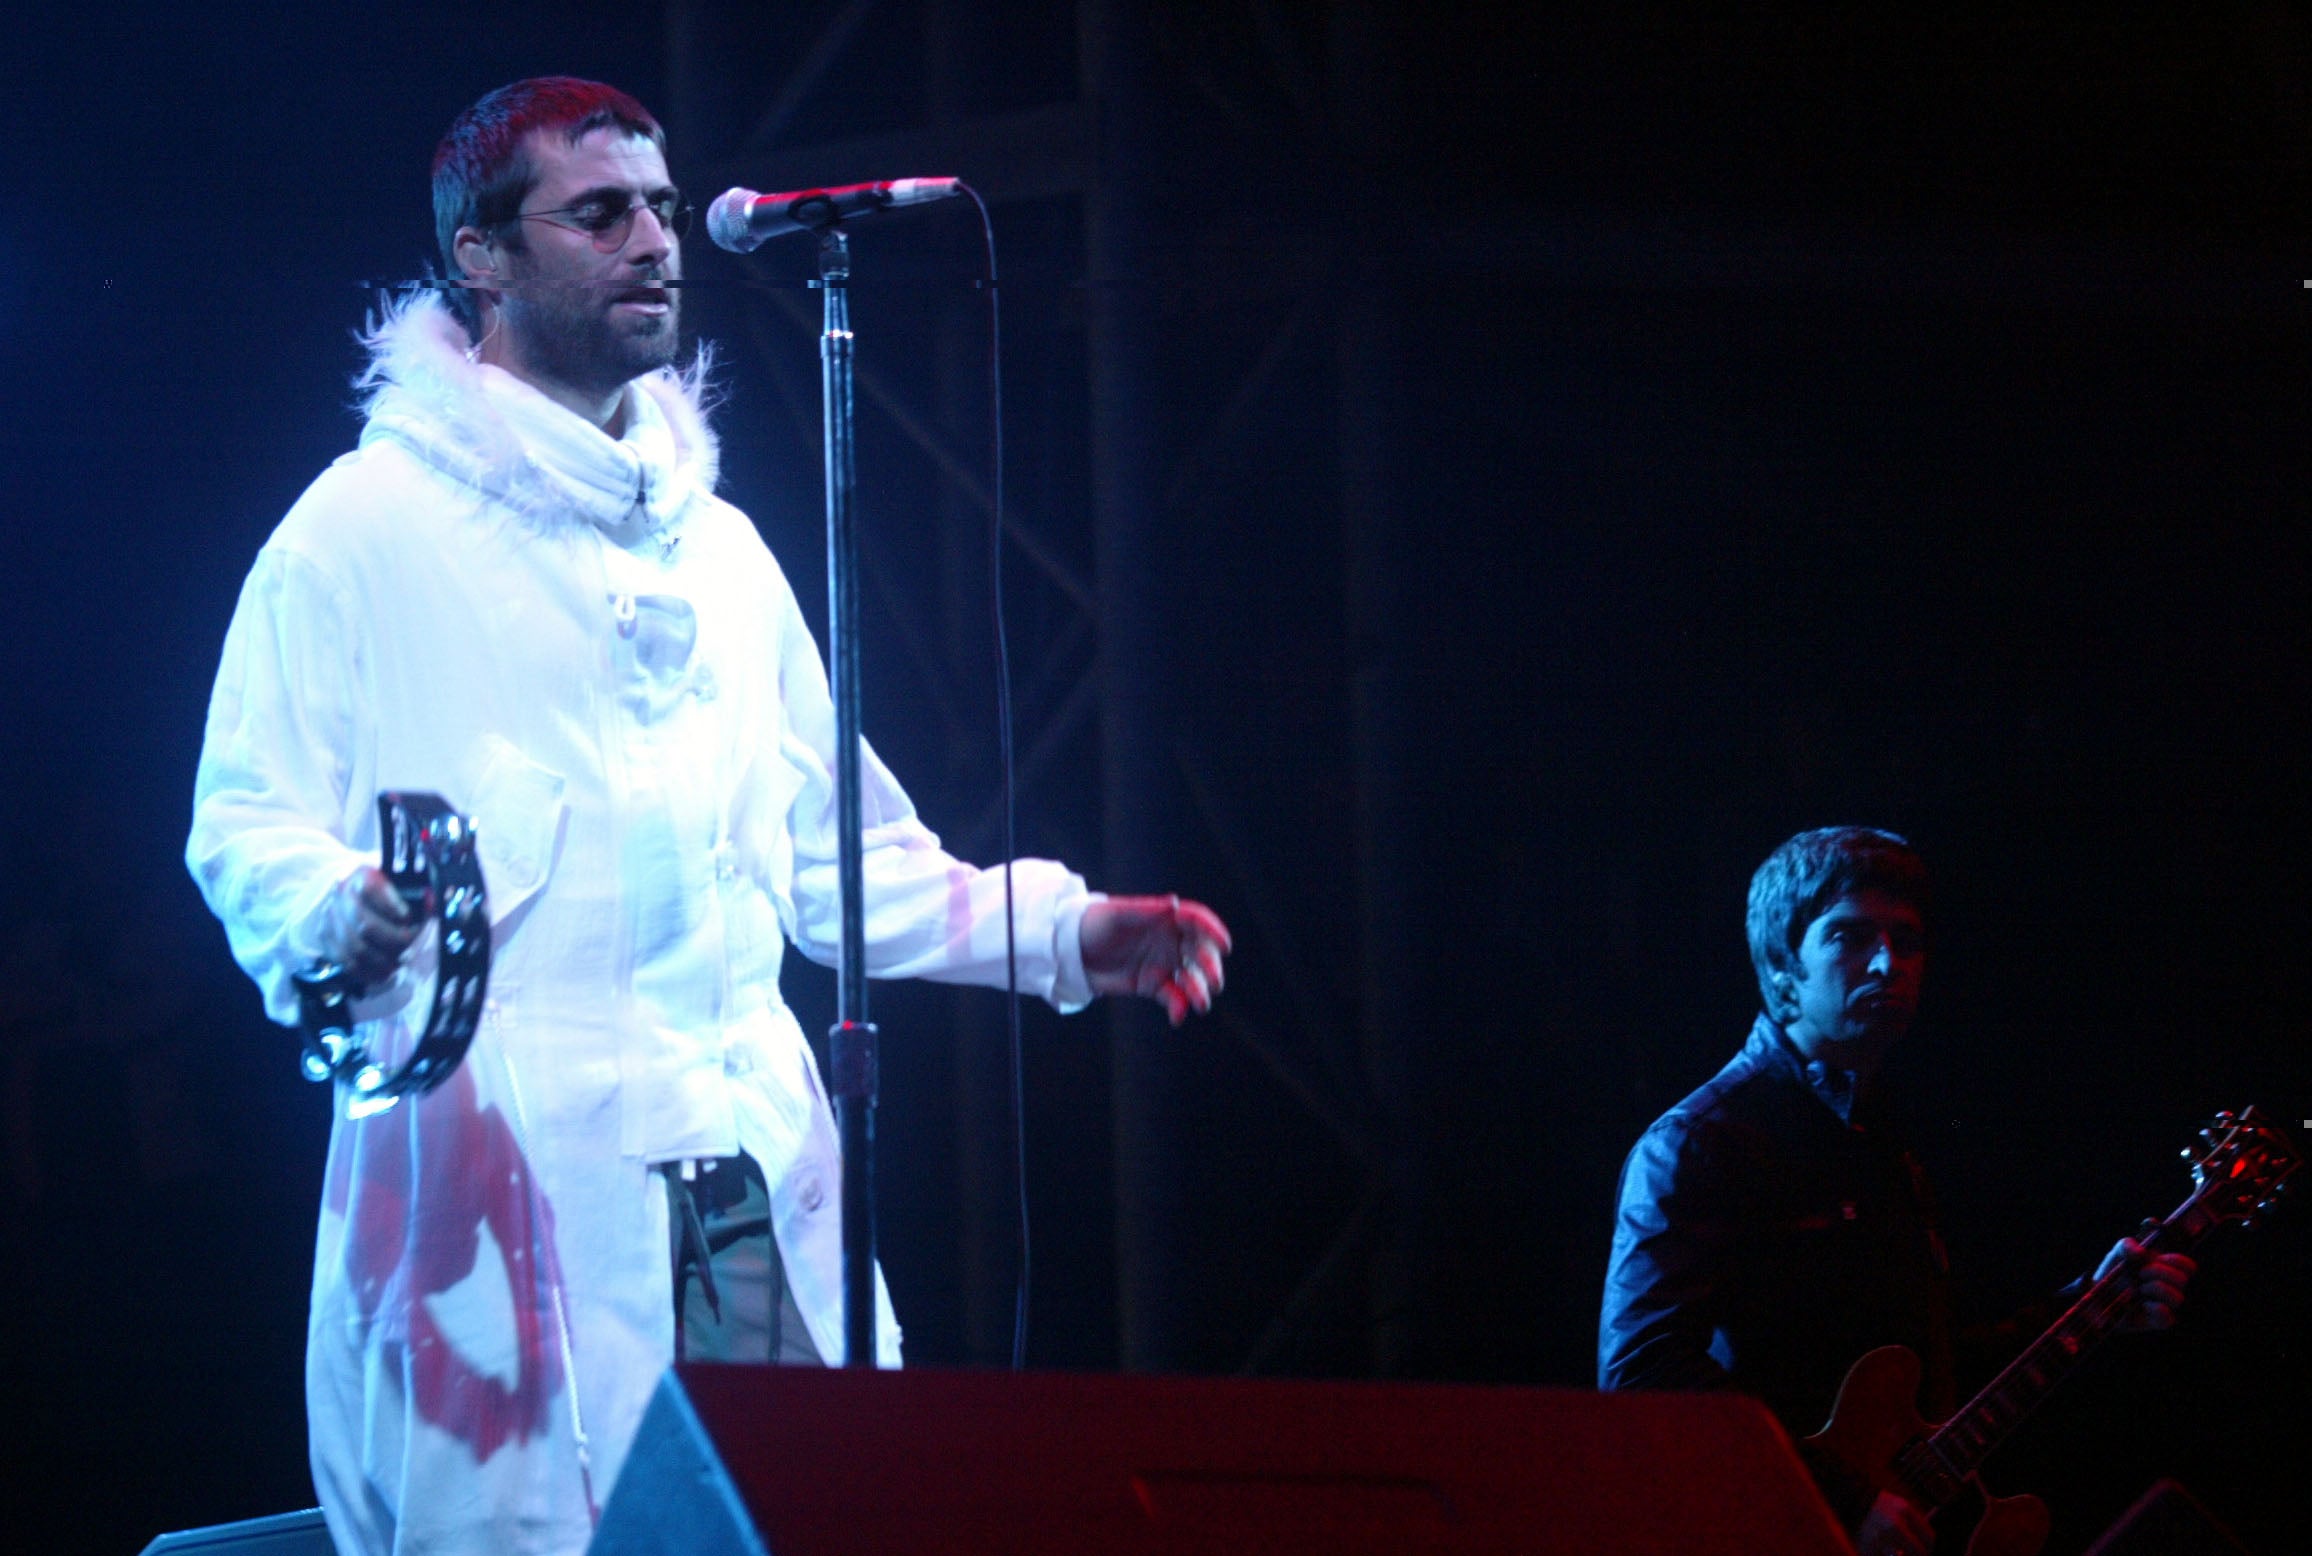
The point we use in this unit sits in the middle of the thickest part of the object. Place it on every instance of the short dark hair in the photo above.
(1806, 875)
(481, 175)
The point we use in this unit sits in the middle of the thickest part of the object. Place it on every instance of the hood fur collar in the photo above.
(479, 426)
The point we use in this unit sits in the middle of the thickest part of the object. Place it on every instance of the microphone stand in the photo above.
(851, 1041)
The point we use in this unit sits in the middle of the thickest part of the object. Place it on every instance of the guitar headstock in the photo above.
(2240, 1168)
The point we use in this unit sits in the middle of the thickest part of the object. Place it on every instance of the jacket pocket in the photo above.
(518, 814)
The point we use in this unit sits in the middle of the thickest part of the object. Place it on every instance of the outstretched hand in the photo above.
(1160, 947)
(2159, 1280)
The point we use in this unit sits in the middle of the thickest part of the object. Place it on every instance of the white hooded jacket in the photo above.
(573, 641)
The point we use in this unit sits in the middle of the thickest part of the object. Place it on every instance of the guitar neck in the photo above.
(1958, 1447)
(2238, 1178)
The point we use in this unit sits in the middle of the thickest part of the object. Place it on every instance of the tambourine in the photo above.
(428, 854)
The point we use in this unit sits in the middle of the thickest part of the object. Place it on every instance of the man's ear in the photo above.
(1782, 996)
(479, 259)
(476, 255)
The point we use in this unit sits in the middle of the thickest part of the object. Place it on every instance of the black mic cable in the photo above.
(1003, 704)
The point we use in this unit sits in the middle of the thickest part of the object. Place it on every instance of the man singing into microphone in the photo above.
(521, 593)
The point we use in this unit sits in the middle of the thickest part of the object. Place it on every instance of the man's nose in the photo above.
(1882, 957)
(648, 241)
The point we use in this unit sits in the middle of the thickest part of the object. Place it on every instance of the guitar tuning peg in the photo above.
(2187, 1153)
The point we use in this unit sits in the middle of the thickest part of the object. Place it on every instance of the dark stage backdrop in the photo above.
(1761, 422)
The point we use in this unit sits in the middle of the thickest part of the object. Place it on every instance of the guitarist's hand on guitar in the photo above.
(1894, 1526)
(2159, 1280)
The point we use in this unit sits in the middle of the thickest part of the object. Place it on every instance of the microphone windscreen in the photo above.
(726, 221)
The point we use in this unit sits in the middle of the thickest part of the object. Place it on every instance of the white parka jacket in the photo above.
(573, 641)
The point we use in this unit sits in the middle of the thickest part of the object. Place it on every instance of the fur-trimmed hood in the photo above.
(481, 427)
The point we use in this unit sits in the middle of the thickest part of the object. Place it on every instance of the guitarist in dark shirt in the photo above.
(1772, 1227)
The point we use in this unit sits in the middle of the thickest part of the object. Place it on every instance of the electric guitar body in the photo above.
(1877, 1417)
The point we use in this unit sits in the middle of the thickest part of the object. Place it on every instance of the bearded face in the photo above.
(585, 307)
(593, 336)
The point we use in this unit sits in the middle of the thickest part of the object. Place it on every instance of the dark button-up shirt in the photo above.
(1771, 1230)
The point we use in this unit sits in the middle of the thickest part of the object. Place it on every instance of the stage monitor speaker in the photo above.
(2167, 1520)
(762, 1461)
(284, 1534)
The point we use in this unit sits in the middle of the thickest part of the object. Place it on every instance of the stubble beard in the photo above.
(565, 334)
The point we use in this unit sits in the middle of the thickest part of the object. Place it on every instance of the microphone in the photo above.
(740, 219)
